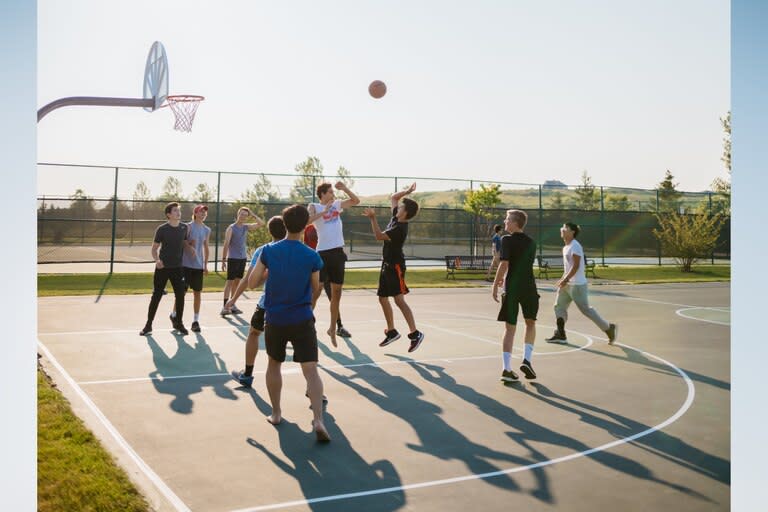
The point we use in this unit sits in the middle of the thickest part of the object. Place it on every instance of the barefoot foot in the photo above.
(274, 419)
(332, 333)
(320, 432)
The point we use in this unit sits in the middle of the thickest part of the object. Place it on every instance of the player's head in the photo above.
(200, 212)
(276, 227)
(515, 219)
(243, 213)
(497, 228)
(406, 210)
(571, 229)
(325, 192)
(172, 210)
(295, 218)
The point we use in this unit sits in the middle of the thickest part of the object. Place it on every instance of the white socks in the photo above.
(507, 358)
(528, 352)
(197, 317)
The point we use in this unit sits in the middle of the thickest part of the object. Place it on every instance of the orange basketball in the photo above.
(377, 89)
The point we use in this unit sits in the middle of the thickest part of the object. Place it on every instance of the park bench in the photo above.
(476, 263)
(555, 264)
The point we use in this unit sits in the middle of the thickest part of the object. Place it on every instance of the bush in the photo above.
(687, 238)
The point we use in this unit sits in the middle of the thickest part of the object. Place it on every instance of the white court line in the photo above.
(681, 313)
(153, 477)
(498, 343)
(682, 410)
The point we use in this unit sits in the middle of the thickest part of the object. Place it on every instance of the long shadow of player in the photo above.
(527, 432)
(399, 397)
(659, 443)
(197, 360)
(332, 469)
(637, 357)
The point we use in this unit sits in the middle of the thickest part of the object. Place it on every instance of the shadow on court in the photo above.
(399, 397)
(330, 469)
(188, 360)
(527, 432)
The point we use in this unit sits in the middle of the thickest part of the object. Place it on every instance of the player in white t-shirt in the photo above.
(326, 216)
(572, 287)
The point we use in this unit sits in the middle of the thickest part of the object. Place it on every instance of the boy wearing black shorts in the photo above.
(326, 217)
(196, 266)
(515, 273)
(235, 253)
(292, 280)
(276, 228)
(392, 275)
(171, 240)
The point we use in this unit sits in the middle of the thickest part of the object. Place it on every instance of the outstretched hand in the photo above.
(411, 188)
(369, 212)
(340, 185)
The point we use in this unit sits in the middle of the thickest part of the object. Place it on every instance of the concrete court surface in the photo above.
(640, 425)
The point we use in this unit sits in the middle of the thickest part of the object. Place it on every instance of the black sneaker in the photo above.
(612, 333)
(527, 369)
(195, 326)
(146, 331)
(341, 331)
(174, 321)
(416, 338)
(392, 335)
(181, 329)
(509, 376)
(557, 337)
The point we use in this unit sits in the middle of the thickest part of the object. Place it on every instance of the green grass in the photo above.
(141, 283)
(74, 472)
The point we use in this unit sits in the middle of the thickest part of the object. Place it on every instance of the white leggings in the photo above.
(577, 293)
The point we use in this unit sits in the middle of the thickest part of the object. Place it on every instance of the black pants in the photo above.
(162, 275)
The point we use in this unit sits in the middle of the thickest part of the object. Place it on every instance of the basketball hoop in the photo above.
(184, 107)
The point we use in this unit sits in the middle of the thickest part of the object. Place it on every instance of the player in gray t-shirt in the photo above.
(195, 266)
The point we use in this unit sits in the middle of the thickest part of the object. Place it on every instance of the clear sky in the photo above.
(517, 91)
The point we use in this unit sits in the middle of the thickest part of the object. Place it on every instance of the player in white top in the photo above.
(326, 216)
(572, 287)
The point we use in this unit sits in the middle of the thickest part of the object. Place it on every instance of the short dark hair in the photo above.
(322, 189)
(519, 216)
(411, 208)
(497, 228)
(295, 217)
(276, 227)
(573, 227)
(171, 206)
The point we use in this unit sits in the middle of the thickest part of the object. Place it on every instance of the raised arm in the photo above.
(397, 196)
(353, 199)
(255, 225)
(371, 214)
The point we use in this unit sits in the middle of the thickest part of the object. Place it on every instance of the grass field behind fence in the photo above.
(141, 283)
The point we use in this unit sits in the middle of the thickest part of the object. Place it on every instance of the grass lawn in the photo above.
(74, 472)
(141, 283)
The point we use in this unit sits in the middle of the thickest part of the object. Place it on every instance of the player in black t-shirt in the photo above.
(392, 276)
(515, 272)
(171, 239)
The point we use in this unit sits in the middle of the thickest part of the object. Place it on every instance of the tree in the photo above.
(141, 192)
(481, 203)
(171, 190)
(619, 203)
(587, 197)
(557, 202)
(669, 196)
(261, 192)
(722, 202)
(310, 175)
(203, 193)
(687, 238)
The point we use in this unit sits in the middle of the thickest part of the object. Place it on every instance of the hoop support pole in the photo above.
(94, 100)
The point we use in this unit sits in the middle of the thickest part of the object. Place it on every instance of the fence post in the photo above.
(218, 217)
(712, 255)
(473, 220)
(314, 188)
(541, 214)
(395, 184)
(602, 222)
(658, 242)
(114, 226)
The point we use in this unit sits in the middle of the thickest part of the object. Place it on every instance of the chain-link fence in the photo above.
(616, 223)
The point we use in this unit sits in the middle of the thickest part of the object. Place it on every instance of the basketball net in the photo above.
(184, 108)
